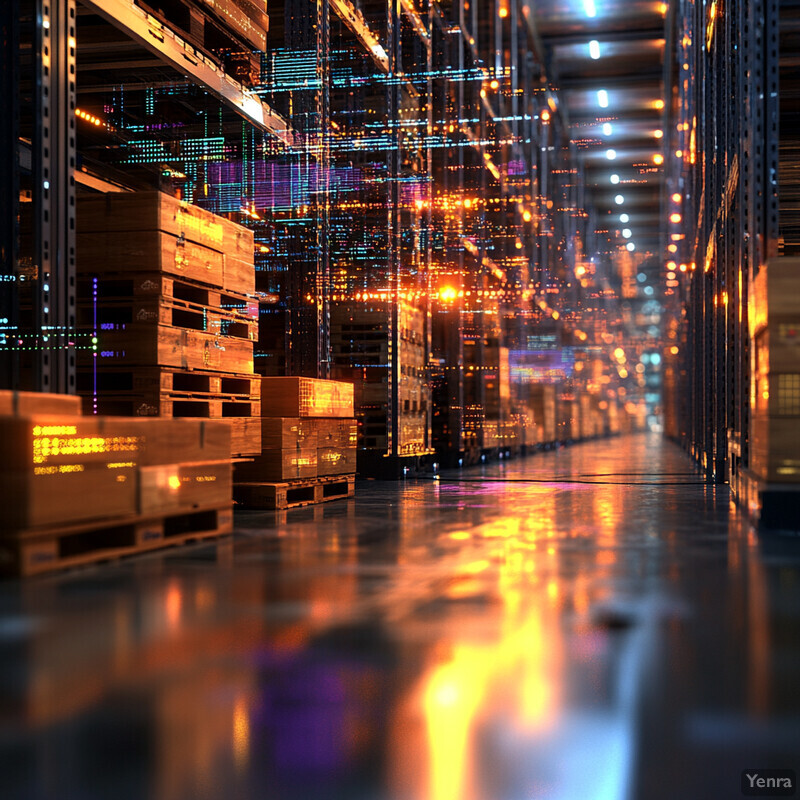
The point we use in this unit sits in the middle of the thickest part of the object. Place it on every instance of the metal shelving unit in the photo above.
(723, 167)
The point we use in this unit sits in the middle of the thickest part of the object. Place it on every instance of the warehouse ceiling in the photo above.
(606, 57)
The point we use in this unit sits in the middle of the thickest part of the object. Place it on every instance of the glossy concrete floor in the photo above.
(586, 623)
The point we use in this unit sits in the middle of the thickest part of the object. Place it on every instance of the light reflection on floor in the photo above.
(587, 623)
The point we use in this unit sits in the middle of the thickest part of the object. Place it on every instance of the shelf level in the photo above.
(174, 51)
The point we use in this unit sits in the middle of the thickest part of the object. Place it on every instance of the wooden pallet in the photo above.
(293, 494)
(149, 290)
(34, 552)
(156, 391)
(154, 381)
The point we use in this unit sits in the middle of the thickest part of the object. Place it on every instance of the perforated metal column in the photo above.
(53, 163)
(9, 190)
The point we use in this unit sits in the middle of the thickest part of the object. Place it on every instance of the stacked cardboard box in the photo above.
(65, 475)
(166, 290)
(307, 431)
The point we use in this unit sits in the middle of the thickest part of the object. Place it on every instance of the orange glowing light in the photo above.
(674, 350)
(503, 12)
(527, 216)
(659, 134)
(677, 197)
(658, 159)
(546, 115)
(676, 218)
(448, 294)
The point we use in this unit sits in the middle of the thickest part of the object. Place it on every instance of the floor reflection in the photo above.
(586, 623)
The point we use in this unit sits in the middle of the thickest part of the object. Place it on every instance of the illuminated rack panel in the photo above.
(732, 74)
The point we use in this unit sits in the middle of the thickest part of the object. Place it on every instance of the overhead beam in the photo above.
(602, 35)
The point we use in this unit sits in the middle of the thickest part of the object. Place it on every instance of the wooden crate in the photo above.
(289, 433)
(101, 252)
(306, 397)
(66, 469)
(279, 465)
(38, 551)
(165, 346)
(292, 494)
(336, 460)
(175, 488)
(337, 432)
(63, 470)
(32, 403)
(245, 436)
(165, 441)
(156, 211)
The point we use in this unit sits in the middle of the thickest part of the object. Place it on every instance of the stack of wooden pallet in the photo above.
(309, 439)
(80, 489)
(166, 289)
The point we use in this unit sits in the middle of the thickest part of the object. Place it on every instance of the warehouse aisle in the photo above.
(587, 623)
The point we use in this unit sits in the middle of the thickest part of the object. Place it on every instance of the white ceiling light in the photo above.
(588, 7)
(623, 218)
(602, 98)
(615, 179)
(611, 154)
(627, 233)
(619, 199)
(607, 128)
(631, 247)
(594, 49)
